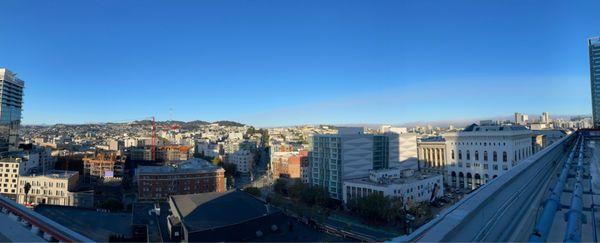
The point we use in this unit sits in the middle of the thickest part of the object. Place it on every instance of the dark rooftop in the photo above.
(97, 226)
(217, 209)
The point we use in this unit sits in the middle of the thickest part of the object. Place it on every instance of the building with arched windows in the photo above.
(478, 154)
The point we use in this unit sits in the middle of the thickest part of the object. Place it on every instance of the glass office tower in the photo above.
(11, 91)
(594, 47)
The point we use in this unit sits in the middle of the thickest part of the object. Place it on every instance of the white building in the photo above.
(410, 186)
(207, 148)
(480, 153)
(403, 145)
(243, 160)
(545, 118)
(521, 119)
(54, 187)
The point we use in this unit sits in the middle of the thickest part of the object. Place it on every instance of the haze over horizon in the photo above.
(286, 63)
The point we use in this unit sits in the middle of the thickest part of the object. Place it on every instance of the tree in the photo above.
(280, 187)
(376, 208)
(27, 188)
(254, 191)
(230, 169)
(216, 160)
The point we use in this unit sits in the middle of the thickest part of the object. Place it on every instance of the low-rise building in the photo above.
(408, 185)
(103, 165)
(289, 164)
(54, 188)
(226, 216)
(243, 160)
(173, 153)
(192, 176)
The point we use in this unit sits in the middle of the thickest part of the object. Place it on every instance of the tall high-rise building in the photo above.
(521, 119)
(349, 154)
(594, 48)
(545, 118)
(11, 91)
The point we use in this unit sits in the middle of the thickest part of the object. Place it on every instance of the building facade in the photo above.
(242, 159)
(347, 155)
(289, 164)
(188, 177)
(594, 52)
(54, 188)
(432, 153)
(103, 165)
(480, 153)
(11, 105)
(408, 185)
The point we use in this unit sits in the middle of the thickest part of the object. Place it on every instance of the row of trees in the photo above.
(379, 208)
(310, 195)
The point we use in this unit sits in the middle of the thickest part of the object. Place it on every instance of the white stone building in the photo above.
(54, 187)
(480, 153)
(408, 185)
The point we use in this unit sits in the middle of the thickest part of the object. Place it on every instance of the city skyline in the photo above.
(120, 61)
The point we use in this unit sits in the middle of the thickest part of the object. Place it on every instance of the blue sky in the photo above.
(270, 63)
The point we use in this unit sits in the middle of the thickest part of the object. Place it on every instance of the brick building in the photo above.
(188, 177)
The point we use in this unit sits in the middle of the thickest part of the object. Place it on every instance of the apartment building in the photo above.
(188, 177)
(57, 187)
(349, 154)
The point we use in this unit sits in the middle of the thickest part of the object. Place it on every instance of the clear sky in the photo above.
(284, 62)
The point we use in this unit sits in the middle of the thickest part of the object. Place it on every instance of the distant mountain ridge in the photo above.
(181, 124)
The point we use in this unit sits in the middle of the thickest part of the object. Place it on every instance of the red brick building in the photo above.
(189, 177)
(288, 164)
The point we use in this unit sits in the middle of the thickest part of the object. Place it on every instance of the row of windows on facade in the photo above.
(518, 155)
(10, 165)
(10, 185)
(485, 166)
(45, 184)
(198, 182)
(43, 192)
(175, 189)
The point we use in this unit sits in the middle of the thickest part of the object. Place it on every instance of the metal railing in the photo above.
(552, 204)
(503, 209)
(50, 230)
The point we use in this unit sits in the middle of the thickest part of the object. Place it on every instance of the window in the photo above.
(495, 156)
(485, 156)
(452, 153)
(468, 155)
(476, 155)
(504, 156)
(459, 154)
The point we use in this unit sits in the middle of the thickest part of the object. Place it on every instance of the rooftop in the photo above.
(417, 176)
(57, 174)
(191, 165)
(218, 209)
(98, 226)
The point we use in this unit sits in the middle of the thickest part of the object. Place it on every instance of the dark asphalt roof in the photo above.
(217, 209)
(98, 226)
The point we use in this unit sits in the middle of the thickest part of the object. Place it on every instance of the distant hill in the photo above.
(229, 123)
